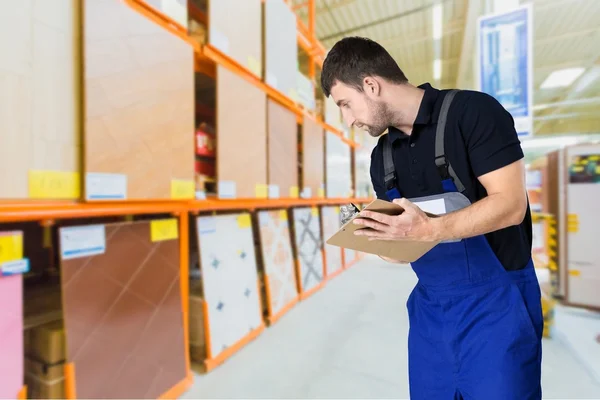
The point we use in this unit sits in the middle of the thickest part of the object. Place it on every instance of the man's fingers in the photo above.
(382, 218)
(370, 223)
(404, 203)
(372, 234)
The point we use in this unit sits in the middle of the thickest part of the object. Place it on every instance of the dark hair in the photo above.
(354, 58)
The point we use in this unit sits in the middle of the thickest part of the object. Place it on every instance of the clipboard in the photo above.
(403, 250)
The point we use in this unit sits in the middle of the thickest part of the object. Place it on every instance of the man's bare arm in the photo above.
(504, 206)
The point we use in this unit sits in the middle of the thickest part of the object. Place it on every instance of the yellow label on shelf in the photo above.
(321, 193)
(575, 272)
(294, 95)
(598, 169)
(572, 217)
(337, 210)
(254, 66)
(54, 185)
(182, 189)
(314, 211)
(244, 221)
(11, 246)
(294, 192)
(283, 215)
(262, 191)
(164, 229)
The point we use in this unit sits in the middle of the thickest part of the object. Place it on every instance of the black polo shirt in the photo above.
(480, 138)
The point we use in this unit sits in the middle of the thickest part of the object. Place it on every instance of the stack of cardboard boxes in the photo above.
(44, 342)
(45, 361)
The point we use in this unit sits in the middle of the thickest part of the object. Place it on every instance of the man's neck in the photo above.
(405, 101)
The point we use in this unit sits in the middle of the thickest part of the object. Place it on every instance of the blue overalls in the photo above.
(475, 328)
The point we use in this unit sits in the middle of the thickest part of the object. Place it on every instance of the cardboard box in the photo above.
(39, 388)
(45, 361)
(196, 320)
(42, 305)
(46, 343)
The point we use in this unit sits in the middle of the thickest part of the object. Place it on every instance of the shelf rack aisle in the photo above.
(131, 215)
(98, 258)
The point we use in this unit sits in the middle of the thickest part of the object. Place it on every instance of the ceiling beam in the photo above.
(572, 103)
(421, 36)
(378, 22)
(591, 74)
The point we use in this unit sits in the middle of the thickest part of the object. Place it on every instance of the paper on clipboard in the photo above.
(404, 250)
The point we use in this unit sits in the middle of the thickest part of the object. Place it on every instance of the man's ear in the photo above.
(371, 86)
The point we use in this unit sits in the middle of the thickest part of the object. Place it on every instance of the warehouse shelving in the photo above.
(50, 213)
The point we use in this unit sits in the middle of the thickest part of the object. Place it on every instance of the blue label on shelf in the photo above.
(16, 267)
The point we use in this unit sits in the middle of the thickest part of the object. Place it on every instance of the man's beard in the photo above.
(382, 118)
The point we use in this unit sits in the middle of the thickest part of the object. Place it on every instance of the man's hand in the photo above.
(412, 224)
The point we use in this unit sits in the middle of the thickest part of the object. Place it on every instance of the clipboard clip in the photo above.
(347, 212)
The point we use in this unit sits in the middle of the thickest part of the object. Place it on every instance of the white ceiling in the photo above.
(567, 34)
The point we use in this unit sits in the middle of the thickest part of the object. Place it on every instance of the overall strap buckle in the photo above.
(442, 166)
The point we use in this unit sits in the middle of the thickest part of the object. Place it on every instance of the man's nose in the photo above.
(349, 120)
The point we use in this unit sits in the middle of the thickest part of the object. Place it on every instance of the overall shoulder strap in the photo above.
(445, 169)
(389, 171)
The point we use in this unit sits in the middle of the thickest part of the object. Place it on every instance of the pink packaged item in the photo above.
(11, 336)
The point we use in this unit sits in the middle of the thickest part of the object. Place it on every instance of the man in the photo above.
(475, 315)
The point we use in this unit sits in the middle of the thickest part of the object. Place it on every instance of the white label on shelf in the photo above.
(82, 241)
(227, 190)
(99, 186)
(16, 267)
(271, 79)
(274, 191)
(206, 225)
(200, 195)
(306, 193)
(219, 40)
(437, 206)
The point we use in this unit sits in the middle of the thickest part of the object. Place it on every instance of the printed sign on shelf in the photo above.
(82, 241)
(102, 186)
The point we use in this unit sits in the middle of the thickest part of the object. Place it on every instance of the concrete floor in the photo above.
(349, 341)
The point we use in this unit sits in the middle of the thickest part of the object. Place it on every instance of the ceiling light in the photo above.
(437, 22)
(562, 78)
(437, 69)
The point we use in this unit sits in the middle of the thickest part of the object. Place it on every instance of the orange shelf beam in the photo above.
(212, 363)
(211, 53)
(179, 389)
(42, 211)
(214, 55)
(253, 204)
(69, 210)
(150, 12)
(310, 292)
